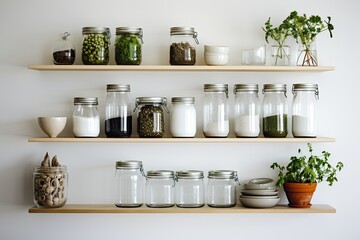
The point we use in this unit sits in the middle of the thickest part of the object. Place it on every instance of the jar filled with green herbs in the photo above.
(95, 45)
(151, 116)
(183, 43)
(128, 45)
(275, 110)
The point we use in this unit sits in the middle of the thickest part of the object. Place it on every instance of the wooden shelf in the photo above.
(182, 140)
(110, 208)
(196, 68)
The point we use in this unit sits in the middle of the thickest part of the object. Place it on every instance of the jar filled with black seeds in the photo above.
(95, 45)
(183, 46)
(64, 50)
(151, 116)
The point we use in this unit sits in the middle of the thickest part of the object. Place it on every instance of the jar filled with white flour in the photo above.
(86, 119)
(183, 117)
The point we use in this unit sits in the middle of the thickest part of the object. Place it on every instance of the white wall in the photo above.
(28, 30)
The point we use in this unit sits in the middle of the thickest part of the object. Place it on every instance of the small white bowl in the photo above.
(259, 203)
(216, 49)
(52, 126)
(216, 59)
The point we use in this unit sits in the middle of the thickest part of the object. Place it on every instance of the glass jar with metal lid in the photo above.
(63, 50)
(183, 43)
(129, 184)
(216, 110)
(95, 45)
(221, 190)
(159, 191)
(118, 111)
(247, 110)
(86, 119)
(183, 117)
(128, 45)
(304, 109)
(275, 110)
(190, 189)
(151, 116)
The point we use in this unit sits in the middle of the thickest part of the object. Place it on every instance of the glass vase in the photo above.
(280, 55)
(307, 55)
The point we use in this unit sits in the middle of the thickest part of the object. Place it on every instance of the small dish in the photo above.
(216, 49)
(259, 192)
(260, 183)
(259, 197)
(52, 126)
(259, 203)
(248, 186)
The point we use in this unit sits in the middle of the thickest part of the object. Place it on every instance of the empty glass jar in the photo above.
(183, 43)
(190, 189)
(160, 189)
(86, 119)
(221, 190)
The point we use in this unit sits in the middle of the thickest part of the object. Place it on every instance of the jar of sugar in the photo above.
(86, 119)
(183, 117)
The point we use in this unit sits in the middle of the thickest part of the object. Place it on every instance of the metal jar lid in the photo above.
(87, 30)
(184, 31)
(274, 87)
(131, 30)
(249, 87)
(222, 174)
(190, 100)
(151, 100)
(162, 174)
(305, 87)
(86, 101)
(118, 88)
(216, 87)
(190, 174)
(129, 164)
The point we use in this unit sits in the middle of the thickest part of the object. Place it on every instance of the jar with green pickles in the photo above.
(128, 45)
(95, 45)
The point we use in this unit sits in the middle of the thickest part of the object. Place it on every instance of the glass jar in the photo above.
(216, 110)
(64, 50)
(221, 191)
(86, 120)
(190, 189)
(151, 116)
(50, 186)
(118, 111)
(247, 110)
(128, 45)
(183, 117)
(95, 45)
(183, 42)
(160, 189)
(304, 110)
(275, 111)
(129, 184)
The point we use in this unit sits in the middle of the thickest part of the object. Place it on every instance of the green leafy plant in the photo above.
(311, 169)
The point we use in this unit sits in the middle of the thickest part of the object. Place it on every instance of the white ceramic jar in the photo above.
(86, 119)
(183, 117)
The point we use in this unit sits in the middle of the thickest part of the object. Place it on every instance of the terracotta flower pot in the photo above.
(299, 194)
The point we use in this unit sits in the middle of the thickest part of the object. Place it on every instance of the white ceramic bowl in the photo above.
(259, 192)
(216, 59)
(216, 49)
(52, 126)
(259, 203)
(260, 183)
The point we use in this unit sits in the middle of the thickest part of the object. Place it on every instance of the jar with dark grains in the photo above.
(183, 43)
(64, 50)
(95, 45)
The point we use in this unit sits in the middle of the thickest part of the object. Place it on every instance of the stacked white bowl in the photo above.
(259, 193)
(215, 55)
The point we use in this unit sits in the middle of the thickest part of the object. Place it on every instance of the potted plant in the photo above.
(305, 29)
(300, 177)
(280, 52)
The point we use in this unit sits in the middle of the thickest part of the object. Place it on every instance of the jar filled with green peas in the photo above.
(128, 45)
(95, 45)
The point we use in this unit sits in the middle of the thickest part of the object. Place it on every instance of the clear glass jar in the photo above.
(183, 43)
(304, 110)
(151, 116)
(50, 186)
(128, 45)
(247, 110)
(221, 190)
(64, 50)
(190, 189)
(159, 189)
(86, 119)
(95, 45)
(216, 110)
(183, 117)
(118, 111)
(275, 110)
(129, 184)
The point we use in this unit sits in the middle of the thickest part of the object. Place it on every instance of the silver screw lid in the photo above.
(129, 164)
(86, 101)
(305, 87)
(160, 174)
(151, 100)
(274, 87)
(183, 100)
(190, 174)
(215, 87)
(87, 30)
(222, 174)
(249, 87)
(118, 88)
(134, 30)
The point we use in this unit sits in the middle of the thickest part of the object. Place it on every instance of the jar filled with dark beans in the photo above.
(183, 46)
(95, 45)
(63, 50)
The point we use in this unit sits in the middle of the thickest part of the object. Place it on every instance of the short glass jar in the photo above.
(190, 189)
(95, 45)
(151, 116)
(64, 50)
(50, 186)
(86, 119)
(128, 45)
(129, 184)
(183, 43)
(221, 190)
(159, 189)
(183, 117)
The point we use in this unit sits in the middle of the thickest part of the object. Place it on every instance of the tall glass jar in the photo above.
(216, 110)
(160, 189)
(275, 111)
(183, 117)
(221, 190)
(86, 119)
(129, 184)
(304, 110)
(151, 116)
(95, 45)
(183, 43)
(118, 111)
(63, 50)
(190, 189)
(128, 45)
(247, 110)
